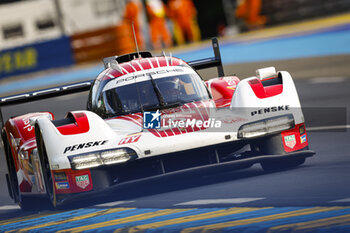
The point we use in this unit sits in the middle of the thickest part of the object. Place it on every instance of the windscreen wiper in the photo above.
(157, 91)
(138, 95)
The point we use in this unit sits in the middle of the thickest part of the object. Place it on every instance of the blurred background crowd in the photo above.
(42, 34)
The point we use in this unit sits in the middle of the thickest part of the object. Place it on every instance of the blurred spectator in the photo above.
(132, 15)
(249, 12)
(183, 14)
(157, 22)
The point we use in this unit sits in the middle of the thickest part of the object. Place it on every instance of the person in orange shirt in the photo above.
(183, 14)
(158, 28)
(249, 11)
(132, 15)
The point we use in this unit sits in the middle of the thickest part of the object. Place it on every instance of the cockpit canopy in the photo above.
(147, 90)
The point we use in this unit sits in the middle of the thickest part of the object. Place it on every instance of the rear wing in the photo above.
(86, 85)
(197, 64)
(43, 94)
(210, 62)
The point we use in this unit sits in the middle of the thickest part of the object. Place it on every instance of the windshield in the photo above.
(154, 94)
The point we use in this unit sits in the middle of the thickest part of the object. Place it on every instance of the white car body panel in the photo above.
(244, 101)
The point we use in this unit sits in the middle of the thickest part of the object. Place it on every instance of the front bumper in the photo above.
(105, 179)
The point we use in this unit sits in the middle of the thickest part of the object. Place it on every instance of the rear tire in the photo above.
(281, 165)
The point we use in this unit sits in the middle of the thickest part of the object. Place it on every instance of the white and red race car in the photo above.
(149, 116)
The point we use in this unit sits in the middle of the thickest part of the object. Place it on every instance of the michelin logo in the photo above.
(151, 120)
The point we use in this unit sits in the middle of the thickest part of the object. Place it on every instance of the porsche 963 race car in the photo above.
(148, 116)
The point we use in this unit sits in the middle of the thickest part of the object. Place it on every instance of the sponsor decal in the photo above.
(130, 139)
(60, 176)
(290, 141)
(230, 81)
(62, 185)
(143, 74)
(151, 120)
(84, 145)
(271, 109)
(82, 181)
(27, 125)
(303, 138)
(211, 122)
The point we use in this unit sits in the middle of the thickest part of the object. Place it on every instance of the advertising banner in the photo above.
(36, 57)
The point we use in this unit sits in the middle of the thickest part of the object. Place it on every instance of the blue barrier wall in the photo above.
(35, 57)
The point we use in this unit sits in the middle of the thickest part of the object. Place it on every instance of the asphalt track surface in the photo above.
(316, 194)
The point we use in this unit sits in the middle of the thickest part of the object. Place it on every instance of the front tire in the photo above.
(45, 167)
(12, 174)
(25, 202)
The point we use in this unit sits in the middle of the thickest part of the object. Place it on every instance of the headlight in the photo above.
(99, 158)
(115, 156)
(267, 126)
(85, 161)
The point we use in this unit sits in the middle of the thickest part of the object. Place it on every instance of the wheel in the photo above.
(25, 202)
(280, 165)
(12, 174)
(45, 167)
